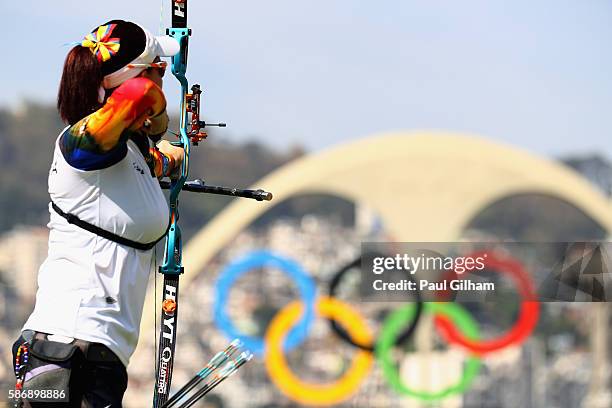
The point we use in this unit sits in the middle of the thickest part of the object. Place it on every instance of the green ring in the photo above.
(393, 326)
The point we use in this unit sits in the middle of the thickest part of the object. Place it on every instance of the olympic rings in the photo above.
(393, 325)
(453, 322)
(256, 259)
(317, 394)
(402, 338)
(528, 317)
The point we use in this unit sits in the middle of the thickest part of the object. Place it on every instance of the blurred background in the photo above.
(296, 79)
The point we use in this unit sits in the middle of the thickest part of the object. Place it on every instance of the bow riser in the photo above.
(172, 267)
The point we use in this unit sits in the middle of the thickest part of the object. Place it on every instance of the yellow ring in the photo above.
(309, 393)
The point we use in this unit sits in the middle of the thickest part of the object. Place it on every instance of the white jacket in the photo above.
(91, 288)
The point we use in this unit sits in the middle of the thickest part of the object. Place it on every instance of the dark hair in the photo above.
(78, 91)
(84, 72)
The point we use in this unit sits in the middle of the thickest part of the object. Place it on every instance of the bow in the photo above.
(191, 133)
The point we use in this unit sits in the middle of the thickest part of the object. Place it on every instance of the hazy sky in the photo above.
(536, 74)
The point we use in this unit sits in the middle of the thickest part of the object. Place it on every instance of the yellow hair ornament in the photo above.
(101, 44)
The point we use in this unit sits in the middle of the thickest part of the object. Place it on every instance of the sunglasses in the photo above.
(160, 66)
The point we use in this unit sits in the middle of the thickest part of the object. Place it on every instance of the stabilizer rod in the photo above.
(198, 186)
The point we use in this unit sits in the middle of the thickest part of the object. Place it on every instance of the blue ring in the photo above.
(234, 270)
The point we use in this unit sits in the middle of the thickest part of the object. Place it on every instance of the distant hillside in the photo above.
(27, 136)
(26, 139)
(26, 147)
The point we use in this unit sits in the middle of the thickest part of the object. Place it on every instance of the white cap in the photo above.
(156, 46)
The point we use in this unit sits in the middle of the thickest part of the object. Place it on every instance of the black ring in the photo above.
(339, 330)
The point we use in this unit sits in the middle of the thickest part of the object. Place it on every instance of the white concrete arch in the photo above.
(426, 186)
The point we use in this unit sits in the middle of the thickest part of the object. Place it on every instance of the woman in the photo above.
(106, 203)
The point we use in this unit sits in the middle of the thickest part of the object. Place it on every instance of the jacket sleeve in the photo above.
(99, 140)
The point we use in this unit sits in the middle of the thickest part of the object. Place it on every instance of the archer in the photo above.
(107, 212)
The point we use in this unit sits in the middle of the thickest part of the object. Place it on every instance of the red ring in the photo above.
(528, 317)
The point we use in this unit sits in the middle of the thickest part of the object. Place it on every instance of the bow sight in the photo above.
(193, 107)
